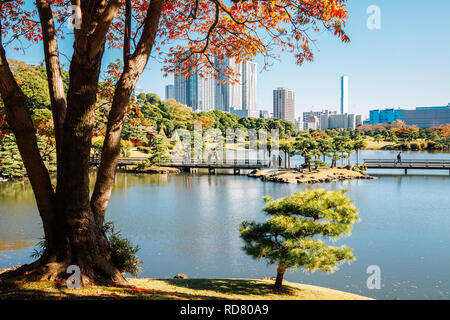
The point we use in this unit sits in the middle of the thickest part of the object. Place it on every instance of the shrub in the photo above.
(415, 146)
(142, 165)
(123, 253)
(125, 148)
(320, 163)
(143, 149)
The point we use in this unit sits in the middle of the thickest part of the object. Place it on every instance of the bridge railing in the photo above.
(224, 162)
(212, 162)
(122, 159)
(423, 163)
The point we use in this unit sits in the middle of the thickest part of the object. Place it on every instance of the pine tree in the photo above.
(290, 236)
(159, 149)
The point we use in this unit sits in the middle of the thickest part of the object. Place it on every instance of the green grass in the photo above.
(178, 289)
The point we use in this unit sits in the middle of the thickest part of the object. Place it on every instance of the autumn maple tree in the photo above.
(184, 34)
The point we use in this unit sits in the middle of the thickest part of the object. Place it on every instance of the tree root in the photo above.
(100, 273)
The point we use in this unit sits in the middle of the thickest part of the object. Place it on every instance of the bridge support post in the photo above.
(406, 171)
(211, 170)
(237, 171)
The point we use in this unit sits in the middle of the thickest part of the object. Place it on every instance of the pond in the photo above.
(189, 224)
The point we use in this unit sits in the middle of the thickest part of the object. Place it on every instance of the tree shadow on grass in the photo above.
(232, 286)
(20, 290)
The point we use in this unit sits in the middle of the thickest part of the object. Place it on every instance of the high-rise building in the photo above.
(284, 104)
(249, 88)
(228, 94)
(344, 94)
(196, 92)
(215, 91)
(181, 88)
(170, 91)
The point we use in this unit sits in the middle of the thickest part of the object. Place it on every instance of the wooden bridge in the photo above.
(235, 165)
(406, 164)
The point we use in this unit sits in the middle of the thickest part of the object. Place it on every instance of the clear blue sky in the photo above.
(405, 64)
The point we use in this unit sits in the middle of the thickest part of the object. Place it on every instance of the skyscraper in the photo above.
(215, 91)
(344, 94)
(196, 92)
(249, 85)
(170, 91)
(284, 104)
(228, 95)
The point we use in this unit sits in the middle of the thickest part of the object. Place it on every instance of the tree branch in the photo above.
(21, 125)
(96, 40)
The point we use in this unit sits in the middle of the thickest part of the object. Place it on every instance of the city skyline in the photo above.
(388, 68)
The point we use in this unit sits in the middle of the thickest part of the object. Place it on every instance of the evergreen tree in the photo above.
(291, 235)
(159, 149)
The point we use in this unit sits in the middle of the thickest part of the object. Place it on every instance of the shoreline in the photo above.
(174, 289)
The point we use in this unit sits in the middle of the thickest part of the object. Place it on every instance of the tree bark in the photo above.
(124, 88)
(279, 280)
(55, 83)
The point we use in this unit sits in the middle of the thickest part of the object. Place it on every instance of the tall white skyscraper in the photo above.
(344, 94)
(249, 88)
(284, 104)
(196, 92)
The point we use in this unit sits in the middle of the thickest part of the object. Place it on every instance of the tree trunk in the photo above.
(279, 280)
(55, 83)
(72, 236)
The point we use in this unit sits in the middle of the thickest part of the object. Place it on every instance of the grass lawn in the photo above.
(376, 145)
(178, 289)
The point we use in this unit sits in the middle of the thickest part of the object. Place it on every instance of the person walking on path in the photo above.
(399, 158)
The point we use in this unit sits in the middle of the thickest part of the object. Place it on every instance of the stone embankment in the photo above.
(320, 175)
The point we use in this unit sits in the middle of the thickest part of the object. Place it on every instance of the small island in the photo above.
(319, 175)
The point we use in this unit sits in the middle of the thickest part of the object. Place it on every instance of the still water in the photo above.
(189, 224)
